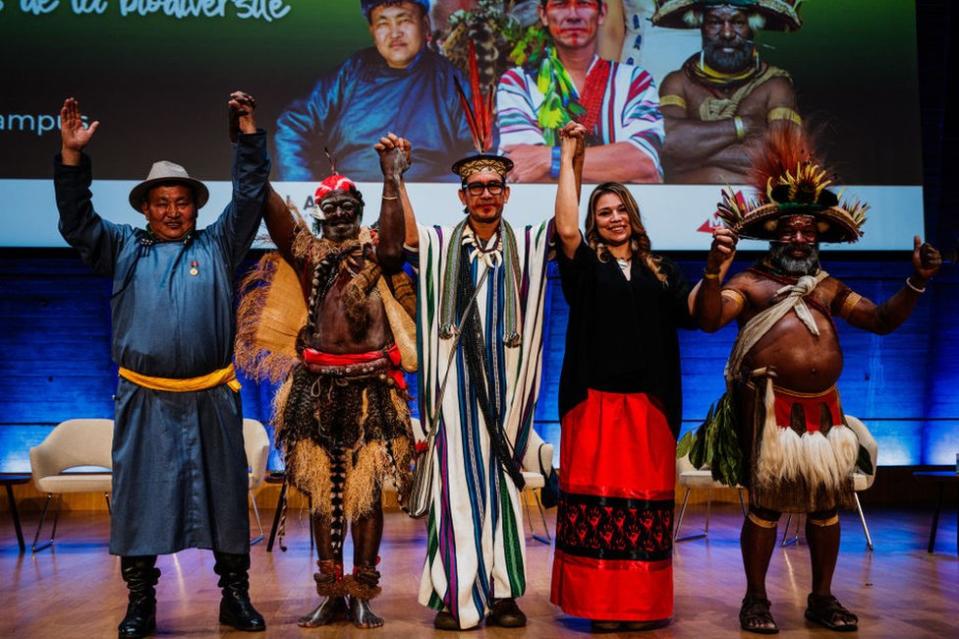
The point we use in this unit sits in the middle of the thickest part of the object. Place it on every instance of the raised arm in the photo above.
(237, 225)
(395, 158)
(280, 224)
(74, 135)
(889, 315)
(572, 143)
(96, 239)
(713, 309)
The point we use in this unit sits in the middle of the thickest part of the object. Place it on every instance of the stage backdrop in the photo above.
(156, 74)
(55, 341)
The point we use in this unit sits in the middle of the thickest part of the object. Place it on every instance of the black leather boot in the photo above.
(141, 576)
(235, 607)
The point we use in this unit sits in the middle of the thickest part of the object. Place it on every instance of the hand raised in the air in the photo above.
(74, 134)
(572, 140)
(722, 250)
(242, 106)
(395, 155)
(925, 259)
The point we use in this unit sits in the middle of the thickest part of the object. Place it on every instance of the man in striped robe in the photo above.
(617, 103)
(480, 365)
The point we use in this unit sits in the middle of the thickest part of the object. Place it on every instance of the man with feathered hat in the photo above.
(480, 327)
(179, 466)
(336, 321)
(720, 104)
(781, 403)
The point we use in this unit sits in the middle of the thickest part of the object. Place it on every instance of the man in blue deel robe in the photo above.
(179, 466)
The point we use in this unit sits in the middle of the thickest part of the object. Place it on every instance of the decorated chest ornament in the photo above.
(790, 181)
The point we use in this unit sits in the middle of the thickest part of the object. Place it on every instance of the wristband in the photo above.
(740, 128)
(918, 289)
(710, 276)
(554, 162)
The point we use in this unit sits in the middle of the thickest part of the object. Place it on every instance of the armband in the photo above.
(784, 113)
(673, 100)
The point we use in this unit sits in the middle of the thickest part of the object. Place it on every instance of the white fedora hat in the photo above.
(164, 172)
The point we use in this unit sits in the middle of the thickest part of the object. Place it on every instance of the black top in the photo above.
(621, 336)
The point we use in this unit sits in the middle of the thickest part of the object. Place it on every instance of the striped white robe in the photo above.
(475, 525)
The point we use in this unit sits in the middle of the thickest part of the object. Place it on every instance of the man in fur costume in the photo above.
(718, 106)
(781, 376)
(341, 415)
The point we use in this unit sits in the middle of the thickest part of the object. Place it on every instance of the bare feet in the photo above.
(332, 609)
(362, 615)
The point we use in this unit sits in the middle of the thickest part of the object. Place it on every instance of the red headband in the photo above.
(335, 182)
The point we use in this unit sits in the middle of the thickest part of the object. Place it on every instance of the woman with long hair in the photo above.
(619, 405)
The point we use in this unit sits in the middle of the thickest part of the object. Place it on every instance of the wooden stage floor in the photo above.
(74, 590)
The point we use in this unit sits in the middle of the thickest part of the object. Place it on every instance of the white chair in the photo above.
(256, 441)
(73, 443)
(692, 478)
(861, 481)
(535, 481)
(539, 453)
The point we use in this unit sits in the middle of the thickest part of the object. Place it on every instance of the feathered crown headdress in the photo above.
(790, 181)
(479, 110)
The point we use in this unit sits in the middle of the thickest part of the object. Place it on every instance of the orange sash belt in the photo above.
(226, 375)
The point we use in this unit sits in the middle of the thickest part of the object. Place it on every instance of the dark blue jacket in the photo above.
(363, 100)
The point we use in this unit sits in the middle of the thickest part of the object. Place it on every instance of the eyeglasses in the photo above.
(477, 188)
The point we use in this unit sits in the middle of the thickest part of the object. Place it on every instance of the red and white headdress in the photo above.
(335, 182)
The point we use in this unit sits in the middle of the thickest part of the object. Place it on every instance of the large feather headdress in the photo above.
(789, 180)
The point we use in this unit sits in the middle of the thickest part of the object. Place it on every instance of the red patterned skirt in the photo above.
(614, 525)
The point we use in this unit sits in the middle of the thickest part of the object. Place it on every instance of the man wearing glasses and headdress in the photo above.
(480, 318)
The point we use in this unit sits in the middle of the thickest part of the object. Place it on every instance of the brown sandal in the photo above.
(827, 611)
(754, 616)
